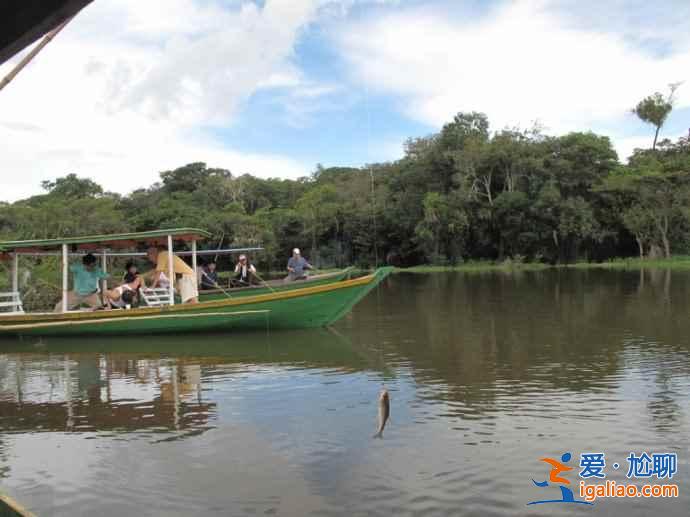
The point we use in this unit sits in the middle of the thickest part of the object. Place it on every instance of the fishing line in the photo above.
(263, 281)
(371, 175)
(220, 243)
(373, 213)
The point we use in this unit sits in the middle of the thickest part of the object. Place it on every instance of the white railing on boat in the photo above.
(11, 300)
(155, 296)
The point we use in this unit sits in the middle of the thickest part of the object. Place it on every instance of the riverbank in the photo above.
(678, 262)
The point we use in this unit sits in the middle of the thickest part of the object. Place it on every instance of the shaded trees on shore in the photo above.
(463, 193)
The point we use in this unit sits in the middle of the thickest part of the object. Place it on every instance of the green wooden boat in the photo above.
(297, 308)
(300, 306)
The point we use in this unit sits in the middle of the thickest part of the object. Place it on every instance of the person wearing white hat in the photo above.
(245, 272)
(296, 266)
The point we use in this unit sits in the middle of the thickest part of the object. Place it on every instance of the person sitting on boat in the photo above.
(160, 280)
(123, 295)
(86, 278)
(131, 272)
(209, 276)
(186, 284)
(245, 273)
(296, 266)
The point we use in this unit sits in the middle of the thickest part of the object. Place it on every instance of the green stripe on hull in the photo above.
(204, 321)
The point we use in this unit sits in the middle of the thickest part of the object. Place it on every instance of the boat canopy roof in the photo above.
(24, 21)
(113, 241)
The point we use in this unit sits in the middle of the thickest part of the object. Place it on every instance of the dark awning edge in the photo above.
(22, 22)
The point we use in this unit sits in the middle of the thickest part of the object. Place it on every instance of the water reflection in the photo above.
(487, 373)
(560, 330)
(155, 383)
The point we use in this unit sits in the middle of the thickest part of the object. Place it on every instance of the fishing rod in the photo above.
(263, 281)
(215, 284)
(371, 174)
(220, 243)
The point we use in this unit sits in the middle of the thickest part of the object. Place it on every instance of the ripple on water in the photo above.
(518, 369)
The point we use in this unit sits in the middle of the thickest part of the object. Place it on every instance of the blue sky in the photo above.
(274, 87)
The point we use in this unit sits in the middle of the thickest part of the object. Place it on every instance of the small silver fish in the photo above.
(384, 412)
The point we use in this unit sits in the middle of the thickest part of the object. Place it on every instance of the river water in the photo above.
(487, 373)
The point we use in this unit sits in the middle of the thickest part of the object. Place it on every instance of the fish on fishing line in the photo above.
(384, 412)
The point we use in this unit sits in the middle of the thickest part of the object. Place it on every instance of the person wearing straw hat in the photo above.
(245, 272)
(296, 266)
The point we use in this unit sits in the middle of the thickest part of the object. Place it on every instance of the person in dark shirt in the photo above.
(131, 272)
(209, 276)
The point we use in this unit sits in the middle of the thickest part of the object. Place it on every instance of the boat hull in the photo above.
(313, 306)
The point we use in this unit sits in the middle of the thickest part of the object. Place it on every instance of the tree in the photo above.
(318, 209)
(71, 186)
(460, 193)
(513, 221)
(655, 109)
(579, 161)
(576, 224)
(657, 185)
(190, 177)
(639, 222)
(442, 228)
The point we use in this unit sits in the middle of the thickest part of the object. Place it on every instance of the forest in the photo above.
(465, 193)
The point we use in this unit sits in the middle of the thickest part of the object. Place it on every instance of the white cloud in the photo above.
(125, 90)
(129, 87)
(658, 26)
(523, 61)
(122, 155)
(626, 145)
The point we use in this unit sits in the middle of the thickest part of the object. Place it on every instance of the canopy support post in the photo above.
(15, 273)
(104, 267)
(65, 274)
(171, 271)
(194, 267)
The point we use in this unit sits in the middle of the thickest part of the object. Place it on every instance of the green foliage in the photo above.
(441, 230)
(459, 196)
(72, 187)
(655, 109)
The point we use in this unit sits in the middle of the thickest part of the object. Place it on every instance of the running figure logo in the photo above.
(558, 467)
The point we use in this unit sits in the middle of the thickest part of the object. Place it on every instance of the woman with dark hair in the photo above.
(122, 295)
(131, 272)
